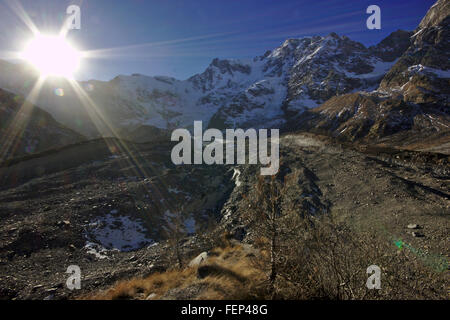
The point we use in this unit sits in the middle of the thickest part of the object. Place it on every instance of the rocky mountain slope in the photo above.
(27, 129)
(97, 201)
(411, 106)
(105, 206)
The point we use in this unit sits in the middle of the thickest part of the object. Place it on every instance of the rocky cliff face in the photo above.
(426, 62)
(302, 74)
(411, 106)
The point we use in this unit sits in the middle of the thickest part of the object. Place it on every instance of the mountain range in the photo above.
(330, 84)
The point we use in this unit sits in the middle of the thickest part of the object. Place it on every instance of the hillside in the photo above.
(26, 129)
(105, 206)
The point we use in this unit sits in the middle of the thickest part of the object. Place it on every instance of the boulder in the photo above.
(199, 259)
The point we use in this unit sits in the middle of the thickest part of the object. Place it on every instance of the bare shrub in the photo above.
(175, 233)
(264, 216)
(328, 260)
(316, 257)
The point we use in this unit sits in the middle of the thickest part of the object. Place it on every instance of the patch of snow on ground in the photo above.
(189, 225)
(302, 103)
(236, 175)
(380, 69)
(420, 69)
(174, 190)
(96, 249)
(415, 34)
(117, 232)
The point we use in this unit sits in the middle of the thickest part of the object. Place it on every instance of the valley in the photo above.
(57, 219)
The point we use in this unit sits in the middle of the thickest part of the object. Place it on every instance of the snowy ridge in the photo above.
(261, 92)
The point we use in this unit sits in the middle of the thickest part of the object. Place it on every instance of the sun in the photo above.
(52, 56)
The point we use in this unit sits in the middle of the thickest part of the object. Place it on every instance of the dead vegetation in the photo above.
(328, 260)
(325, 260)
(296, 255)
(227, 274)
(315, 256)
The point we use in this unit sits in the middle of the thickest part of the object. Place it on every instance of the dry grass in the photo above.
(327, 261)
(158, 283)
(227, 274)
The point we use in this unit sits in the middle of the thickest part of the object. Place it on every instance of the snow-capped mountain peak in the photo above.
(260, 92)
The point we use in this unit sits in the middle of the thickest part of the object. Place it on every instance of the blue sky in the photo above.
(180, 37)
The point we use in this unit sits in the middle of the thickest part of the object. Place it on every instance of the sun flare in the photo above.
(52, 56)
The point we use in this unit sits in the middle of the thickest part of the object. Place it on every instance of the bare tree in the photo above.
(176, 232)
(264, 214)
